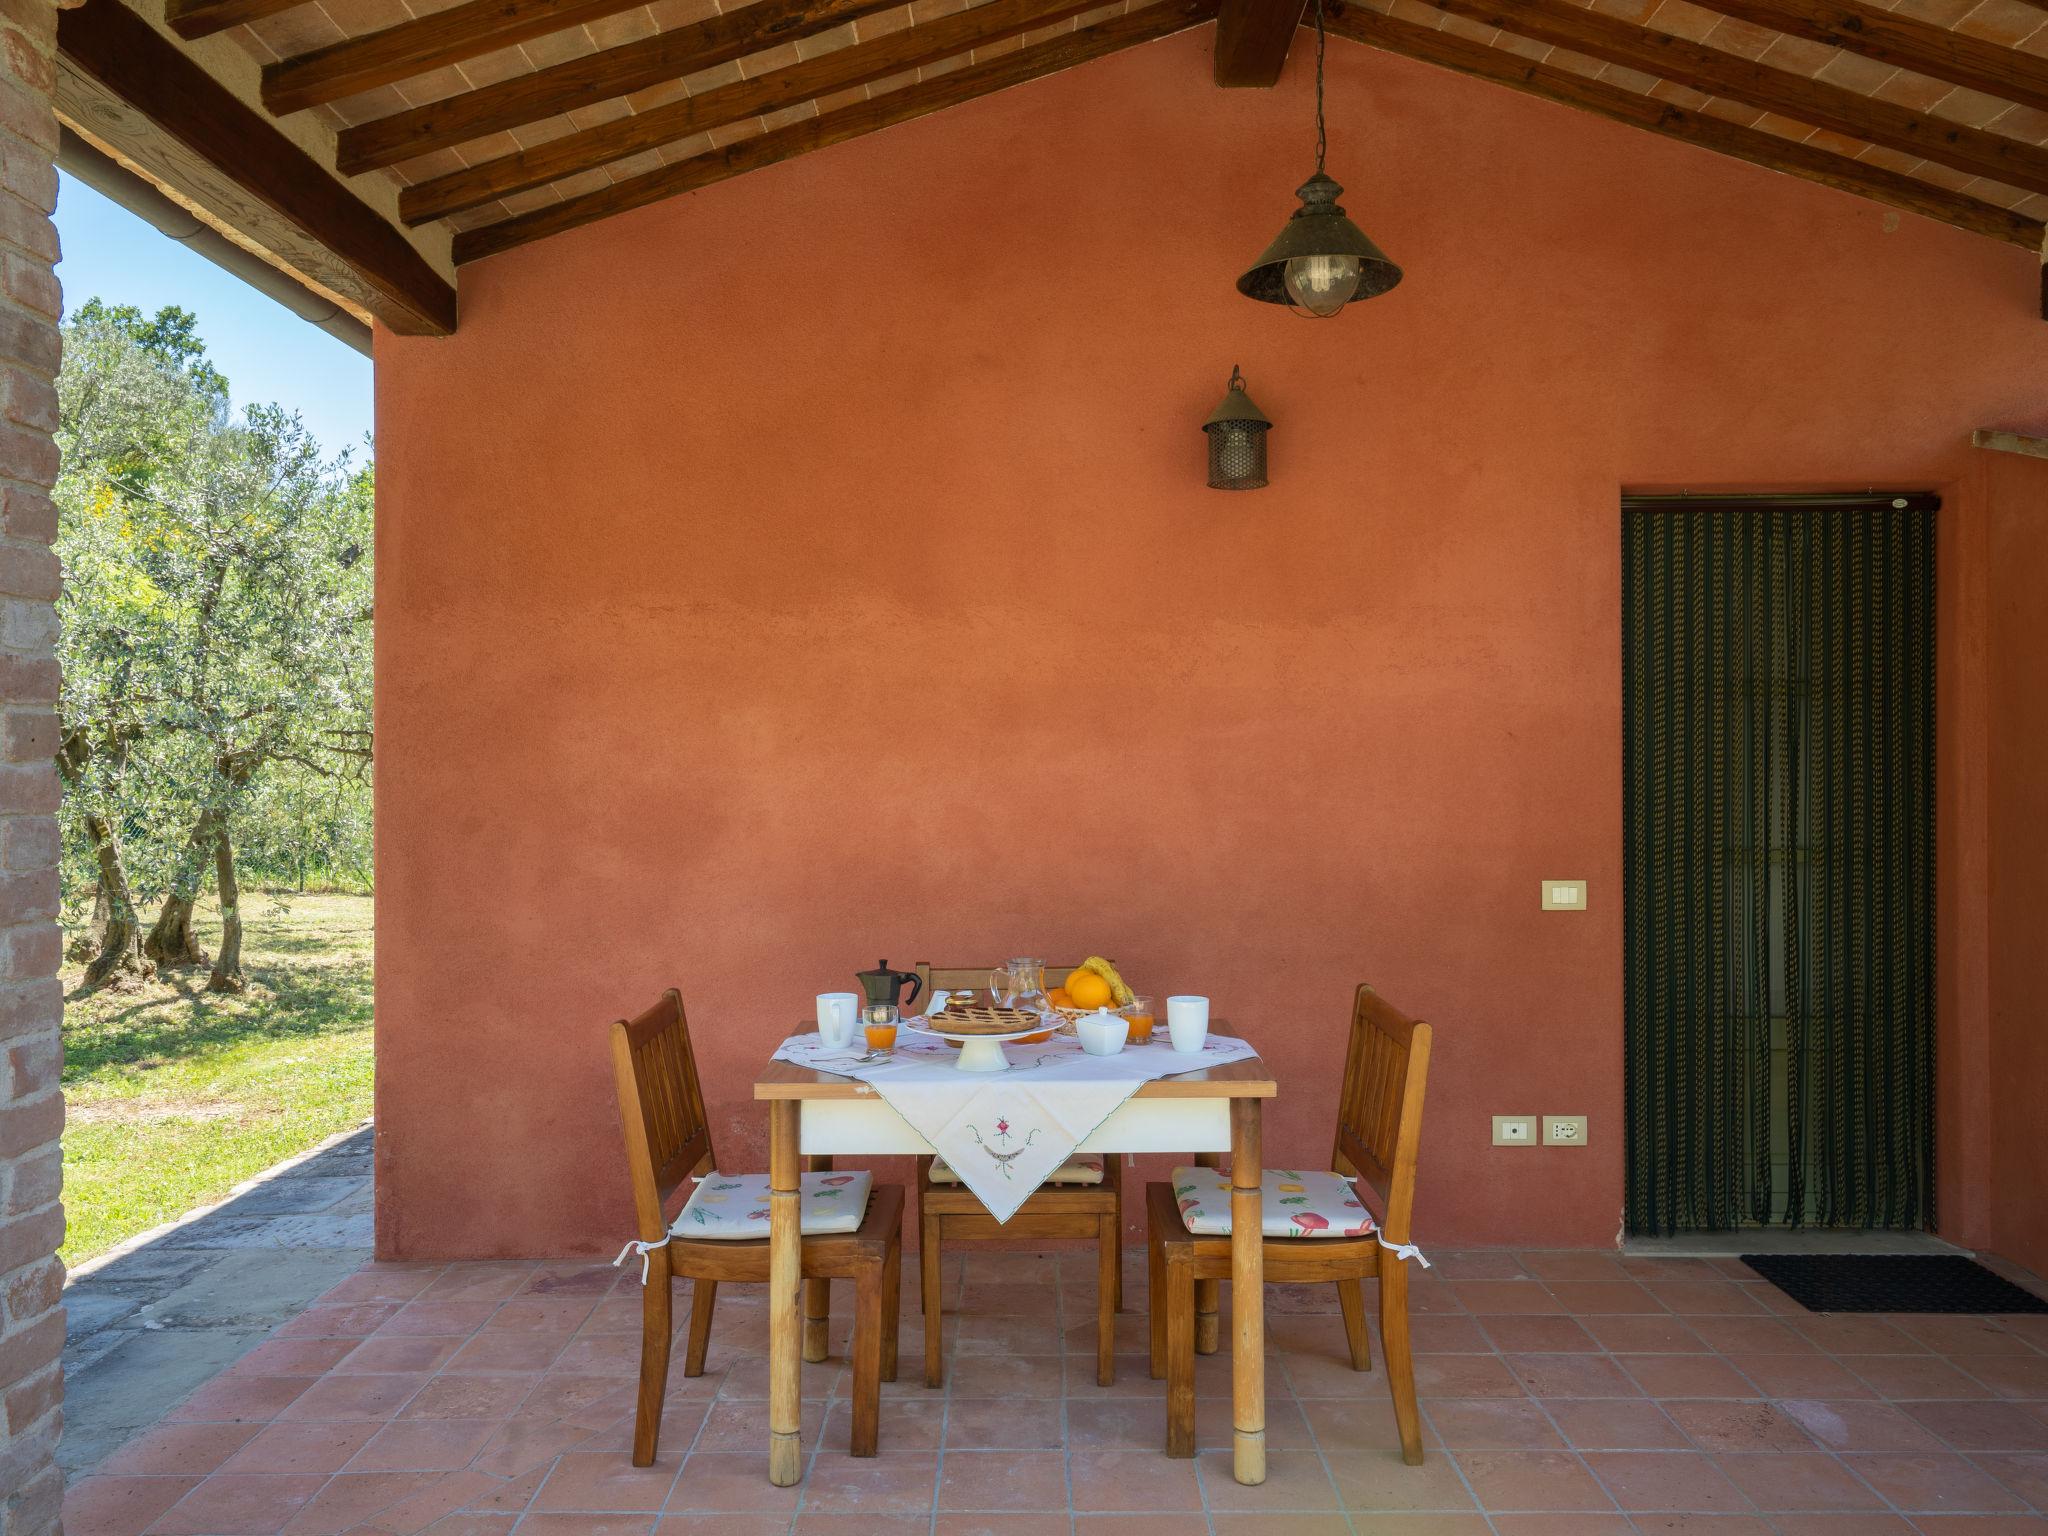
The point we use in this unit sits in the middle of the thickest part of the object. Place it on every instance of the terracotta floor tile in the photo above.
(587, 1400)
(1308, 1375)
(1687, 1376)
(994, 1423)
(436, 1318)
(324, 1448)
(1521, 1333)
(1532, 1480)
(1361, 1426)
(1702, 1296)
(1983, 1425)
(1645, 1267)
(890, 1484)
(120, 1506)
(1605, 1298)
(1934, 1481)
(353, 1397)
(1295, 1481)
(1571, 1264)
(1738, 1335)
(1810, 1374)
(498, 1352)
(393, 1352)
(1380, 1483)
(1850, 1334)
(1859, 1426)
(1550, 1376)
(1134, 1481)
(1004, 1480)
(353, 1498)
(2026, 1475)
(1616, 1424)
(1979, 1525)
(467, 1396)
(1860, 1524)
(1736, 1425)
(1482, 1296)
(1445, 1333)
(349, 1321)
(1913, 1376)
(734, 1480)
(291, 1356)
(1797, 1482)
(1004, 1376)
(239, 1504)
(520, 1445)
(1286, 1425)
(1634, 1335)
(179, 1450)
(2015, 1376)
(425, 1445)
(1479, 1264)
(728, 1524)
(1465, 1376)
(1224, 1523)
(1962, 1335)
(594, 1480)
(1134, 1525)
(1484, 1423)
(1117, 1424)
(384, 1282)
(246, 1399)
(546, 1523)
(865, 1525)
(1667, 1480)
(1580, 1523)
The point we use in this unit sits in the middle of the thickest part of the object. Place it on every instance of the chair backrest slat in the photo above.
(661, 1108)
(1379, 1114)
(957, 978)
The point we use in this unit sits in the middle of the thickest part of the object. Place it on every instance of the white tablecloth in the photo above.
(1005, 1132)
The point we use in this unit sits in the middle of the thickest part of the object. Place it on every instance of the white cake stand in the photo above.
(978, 1053)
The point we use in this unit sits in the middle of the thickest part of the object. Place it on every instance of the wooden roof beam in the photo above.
(1896, 39)
(1252, 39)
(418, 46)
(1713, 72)
(1451, 51)
(110, 45)
(203, 18)
(617, 71)
(838, 126)
(862, 64)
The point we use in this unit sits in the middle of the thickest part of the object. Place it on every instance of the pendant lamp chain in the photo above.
(1322, 138)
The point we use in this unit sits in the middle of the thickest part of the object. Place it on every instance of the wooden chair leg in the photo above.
(1351, 1301)
(1155, 1302)
(930, 1291)
(1116, 1174)
(817, 1293)
(703, 1298)
(1180, 1360)
(1107, 1263)
(867, 1360)
(1208, 1331)
(1400, 1362)
(892, 1308)
(657, 1329)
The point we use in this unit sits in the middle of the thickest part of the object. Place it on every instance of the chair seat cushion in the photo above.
(1081, 1168)
(736, 1205)
(1295, 1204)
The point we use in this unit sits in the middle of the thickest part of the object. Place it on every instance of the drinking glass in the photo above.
(1140, 1019)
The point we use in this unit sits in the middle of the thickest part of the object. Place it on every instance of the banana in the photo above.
(1107, 972)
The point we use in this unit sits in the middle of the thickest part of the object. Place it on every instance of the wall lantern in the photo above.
(1237, 440)
(1321, 260)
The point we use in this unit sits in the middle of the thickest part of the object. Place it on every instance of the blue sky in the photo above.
(268, 353)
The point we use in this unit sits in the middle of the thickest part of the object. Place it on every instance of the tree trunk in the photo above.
(227, 965)
(120, 950)
(87, 944)
(171, 941)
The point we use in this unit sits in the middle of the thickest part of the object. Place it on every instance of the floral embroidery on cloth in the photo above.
(736, 1205)
(1295, 1204)
(1083, 1168)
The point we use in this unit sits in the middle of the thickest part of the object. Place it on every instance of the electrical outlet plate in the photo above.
(1514, 1130)
(1564, 895)
(1564, 1130)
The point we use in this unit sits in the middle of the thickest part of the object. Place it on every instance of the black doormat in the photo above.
(1891, 1282)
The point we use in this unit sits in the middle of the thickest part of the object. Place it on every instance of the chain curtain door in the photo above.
(1778, 809)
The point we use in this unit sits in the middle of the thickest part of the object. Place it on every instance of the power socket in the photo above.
(1564, 1130)
(1514, 1130)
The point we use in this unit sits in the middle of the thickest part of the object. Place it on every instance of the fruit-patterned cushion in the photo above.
(1081, 1168)
(736, 1205)
(1294, 1204)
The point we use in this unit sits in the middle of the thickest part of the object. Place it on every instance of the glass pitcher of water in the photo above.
(1019, 983)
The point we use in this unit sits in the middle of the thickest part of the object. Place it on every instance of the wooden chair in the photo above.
(668, 1141)
(1379, 1126)
(1063, 1206)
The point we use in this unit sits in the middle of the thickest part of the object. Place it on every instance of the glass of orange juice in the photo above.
(880, 1022)
(1140, 1019)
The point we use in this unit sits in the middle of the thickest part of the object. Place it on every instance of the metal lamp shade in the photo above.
(1237, 440)
(1318, 228)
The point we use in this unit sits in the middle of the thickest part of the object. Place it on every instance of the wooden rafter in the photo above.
(1451, 51)
(415, 47)
(203, 18)
(1252, 39)
(1893, 38)
(836, 127)
(1713, 72)
(108, 43)
(617, 71)
(810, 79)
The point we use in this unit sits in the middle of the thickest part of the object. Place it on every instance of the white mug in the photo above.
(835, 1019)
(1187, 1022)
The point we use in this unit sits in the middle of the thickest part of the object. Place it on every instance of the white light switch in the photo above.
(1564, 895)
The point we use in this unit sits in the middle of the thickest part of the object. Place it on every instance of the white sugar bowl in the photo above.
(1102, 1033)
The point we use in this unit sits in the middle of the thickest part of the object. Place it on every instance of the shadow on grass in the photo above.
(175, 1017)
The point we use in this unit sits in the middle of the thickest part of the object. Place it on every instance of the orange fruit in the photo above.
(1089, 990)
(1058, 998)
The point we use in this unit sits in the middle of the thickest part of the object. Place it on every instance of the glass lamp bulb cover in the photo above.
(1322, 285)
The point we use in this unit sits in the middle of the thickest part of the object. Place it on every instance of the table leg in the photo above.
(1207, 1333)
(785, 1269)
(1247, 1294)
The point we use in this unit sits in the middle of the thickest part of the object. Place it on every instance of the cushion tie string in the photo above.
(643, 1249)
(1402, 1251)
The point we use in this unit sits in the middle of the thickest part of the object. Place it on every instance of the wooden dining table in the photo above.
(1207, 1112)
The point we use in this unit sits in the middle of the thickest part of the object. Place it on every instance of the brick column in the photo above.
(31, 1002)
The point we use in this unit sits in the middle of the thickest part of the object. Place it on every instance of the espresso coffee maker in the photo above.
(882, 988)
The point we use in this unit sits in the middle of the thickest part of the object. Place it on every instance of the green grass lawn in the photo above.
(174, 1094)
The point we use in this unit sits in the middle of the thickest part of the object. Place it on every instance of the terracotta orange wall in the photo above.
(2015, 491)
(819, 568)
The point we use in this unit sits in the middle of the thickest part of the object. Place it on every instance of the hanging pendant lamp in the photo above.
(1321, 260)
